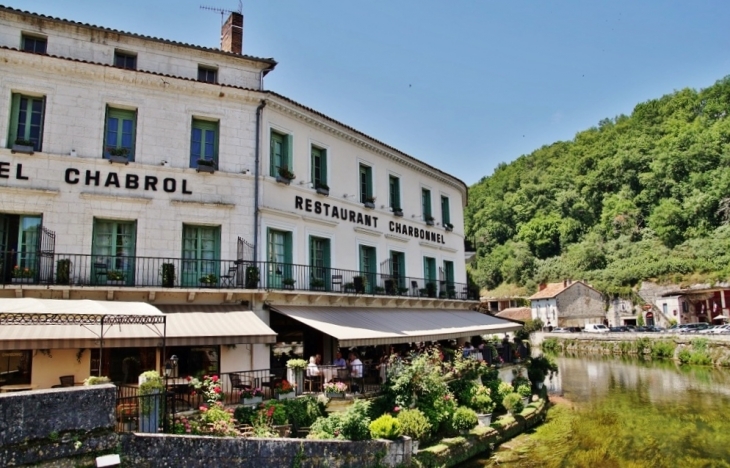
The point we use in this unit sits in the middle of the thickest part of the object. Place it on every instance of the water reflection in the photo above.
(628, 413)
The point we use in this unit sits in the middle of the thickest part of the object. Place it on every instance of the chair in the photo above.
(313, 382)
(100, 271)
(238, 383)
(414, 288)
(66, 381)
(337, 281)
(229, 280)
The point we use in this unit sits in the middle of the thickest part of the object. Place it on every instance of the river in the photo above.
(614, 412)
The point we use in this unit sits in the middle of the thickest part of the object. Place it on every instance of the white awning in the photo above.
(366, 326)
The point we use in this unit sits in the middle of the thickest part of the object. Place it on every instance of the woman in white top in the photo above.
(312, 368)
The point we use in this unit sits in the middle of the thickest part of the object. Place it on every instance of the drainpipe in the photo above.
(259, 110)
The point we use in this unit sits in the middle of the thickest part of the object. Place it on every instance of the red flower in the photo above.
(217, 389)
(189, 378)
(214, 378)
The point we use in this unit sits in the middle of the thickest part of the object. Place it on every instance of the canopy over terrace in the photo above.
(355, 326)
(40, 314)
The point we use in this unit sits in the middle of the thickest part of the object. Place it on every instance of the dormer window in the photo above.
(126, 60)
(207, 74)
(35, 44)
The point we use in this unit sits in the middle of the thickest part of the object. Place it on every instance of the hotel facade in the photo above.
(136, 169)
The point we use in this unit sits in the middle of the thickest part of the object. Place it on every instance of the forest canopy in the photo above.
(638, 197)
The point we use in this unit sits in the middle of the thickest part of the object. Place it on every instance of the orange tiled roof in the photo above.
(521, 314)
(551, 290)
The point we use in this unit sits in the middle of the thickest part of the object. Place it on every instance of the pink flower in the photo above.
(447, 397)
(214, 378)
(203, 408)
(217, 389)
(396, 409)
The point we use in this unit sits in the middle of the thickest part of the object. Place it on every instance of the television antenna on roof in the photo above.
(223, 11)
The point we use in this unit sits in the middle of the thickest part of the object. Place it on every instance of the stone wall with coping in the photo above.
(154, 450)
(46, 426)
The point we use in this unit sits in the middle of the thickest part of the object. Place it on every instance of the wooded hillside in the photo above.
(645, 196)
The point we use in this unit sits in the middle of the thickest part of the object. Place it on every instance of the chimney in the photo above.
(542, 286)
(565, 283)
(232, 34)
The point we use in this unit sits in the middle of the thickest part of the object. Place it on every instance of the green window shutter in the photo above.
(323, 167)
(14, 114)
(120, 131)
(272, 158)
(27, 114)
(326, 254)
(288, 254)
(288, 157)
(203, 142)
(397, 193)
(426, 202)
(445, 213)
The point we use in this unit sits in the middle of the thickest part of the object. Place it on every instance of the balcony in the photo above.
(162, 272)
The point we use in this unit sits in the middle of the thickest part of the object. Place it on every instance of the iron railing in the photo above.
(129, 271)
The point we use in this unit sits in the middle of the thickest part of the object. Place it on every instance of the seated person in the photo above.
(312, 368)
(355, 371)
(339, 361)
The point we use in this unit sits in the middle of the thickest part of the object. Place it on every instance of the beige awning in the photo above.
(365, 326)
(187, 325)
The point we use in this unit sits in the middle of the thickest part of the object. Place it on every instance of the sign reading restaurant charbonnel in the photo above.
(109, 179)
(331, 210)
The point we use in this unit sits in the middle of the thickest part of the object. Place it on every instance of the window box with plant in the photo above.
(430, 220)
(167, 272)
(317, 284)
(284, 390)
(284, 175)
(398, 211)
(379, 290)
(252, 277)
(288, 283)
(449, 227)
(22, 275)
(349, 287)
(335, 389)
(115, 278)
(252, 396)
(23, 146)
(369, 202)
(118, 155)
(295, 373)
(322, 188)
(208, 281)
(206, 165)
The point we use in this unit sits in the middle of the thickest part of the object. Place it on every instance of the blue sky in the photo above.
(462, 85)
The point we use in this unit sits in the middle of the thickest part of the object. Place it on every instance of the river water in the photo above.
(627, 413)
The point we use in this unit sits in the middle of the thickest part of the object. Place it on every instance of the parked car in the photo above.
(652, 329)
(620, 329)
(596, 328)
(561, 330)
(693, 327)
(716, 330)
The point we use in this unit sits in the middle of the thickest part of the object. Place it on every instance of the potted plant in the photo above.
(369, 202)
(397, 211)
(513, 403)
(414, 424)
(322, 188)
(23, 146)
(423, 292)
(359, 282)
(379, 290)
(349, 287)
(402, 291)
(451, 291)
(317, 284)
(252, 277)
(208, 281)
(449, 227)
(63, 271)
(252, 396)
(115, 278)
(118, 155)
(22, 275)
(482, 403)
(463, 420)
(284, 175)
(525, 392)
(167, 272)
(284, 390)
(206, 165)
(295, 373)
(335, 389)
(430, 220)
(288, 283)
(390, 287)
(151, 387)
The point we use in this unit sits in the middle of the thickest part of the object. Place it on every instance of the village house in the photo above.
(568, 304)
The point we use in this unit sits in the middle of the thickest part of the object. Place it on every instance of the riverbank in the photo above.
(455, 450)
(703, 350)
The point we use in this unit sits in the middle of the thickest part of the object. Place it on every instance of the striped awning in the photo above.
(187, 325)
(367, 326)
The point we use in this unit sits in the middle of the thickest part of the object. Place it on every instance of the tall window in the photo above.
(449, 278)
(368, 267)
(207, 74)
(279, 256)
(35, 44)
(203, 142)
(394, 183)
(319, 167)
(429, 269)
(366, 183)
(201, 255)
(280, 153)
(398, 267)
(113, 249)
(445, 212)
(125, 60)
(119, 137)
(426, 204)
(26, 121)
(319, 262)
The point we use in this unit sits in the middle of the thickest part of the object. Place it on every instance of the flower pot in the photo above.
(485, 419)
(118, 159)
(252, 401)
(323, 191)
(22, 280)
(296, 376)
(398, 213)
(430, 222)
(283, 180)
(370, 205)
(414, 446)
(334, 395)
(525, 401)
(149, 413)
(115, 282)
(205, 168)
(286, 396)
(27, 149)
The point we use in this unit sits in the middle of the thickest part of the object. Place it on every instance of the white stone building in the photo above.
(139, 169)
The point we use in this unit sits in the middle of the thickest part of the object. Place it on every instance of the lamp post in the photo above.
(170, 371)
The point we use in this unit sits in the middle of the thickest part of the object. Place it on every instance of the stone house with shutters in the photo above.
(568, 304)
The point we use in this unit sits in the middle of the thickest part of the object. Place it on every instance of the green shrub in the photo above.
(275, 411)
(550, 345)
(94, 380)
(524, 391)
(245, 414)
(684, 356)
(663, 349)
(352, 424)
(463, 419)
(699, 344)
(513, 403)
(481, 401)
(700, 358)
(413, 423)
(303, 411)
(385, 427)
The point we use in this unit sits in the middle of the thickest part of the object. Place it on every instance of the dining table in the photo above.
(17, 388)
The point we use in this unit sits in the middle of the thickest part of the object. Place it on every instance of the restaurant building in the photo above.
(138, 169)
